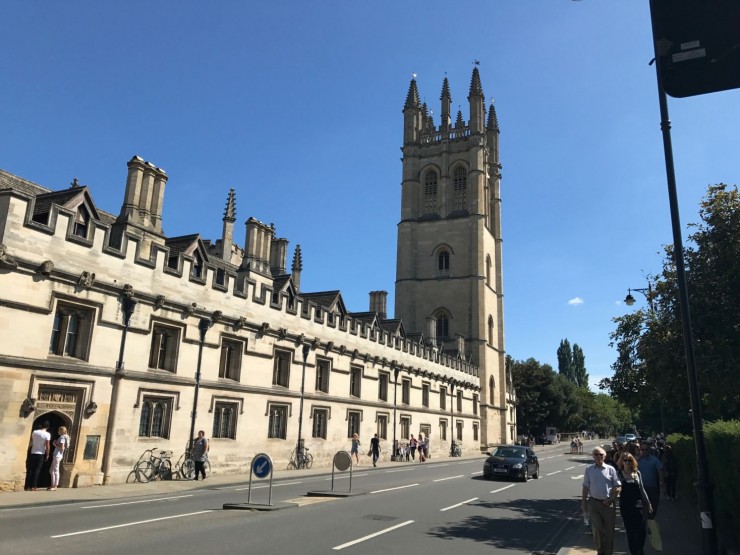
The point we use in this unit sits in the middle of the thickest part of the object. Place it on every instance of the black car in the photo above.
(512, 461)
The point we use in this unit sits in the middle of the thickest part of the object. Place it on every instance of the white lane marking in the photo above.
(458, 505)
(556, 472)
(578, 477)
(135, 502)
(375, 535)
(502, 489)
(128, 524)
(570, 468)
(437, 465)
(474, 461)
(393, 489)
(476, 473)
(345, 477)
(399, 470)
(450, 478)
(267, 486)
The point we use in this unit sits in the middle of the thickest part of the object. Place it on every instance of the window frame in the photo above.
(83, 318)
(425, 387)
(281, 372)
(355, 381)
(354, 420)
(405, 427)
(147, 419)
(406, 391)
(319, 422)
(384, 380)
(442, 398)
(443, 429)
(230, 362)
(277, 429)
(323, 371)
(229, 409)
(381, 426)
(164, 357)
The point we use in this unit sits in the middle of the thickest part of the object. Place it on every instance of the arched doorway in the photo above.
(55, 420)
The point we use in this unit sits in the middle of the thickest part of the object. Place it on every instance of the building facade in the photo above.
(126, 336)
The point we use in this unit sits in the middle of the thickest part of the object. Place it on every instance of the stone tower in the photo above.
(449, 280)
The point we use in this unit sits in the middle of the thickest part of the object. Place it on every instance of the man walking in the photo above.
(375, 448)
(412, 447)
(40, 440)
(601, 486)
(651, 470)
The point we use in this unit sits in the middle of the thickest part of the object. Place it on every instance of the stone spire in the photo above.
(230, 212)
(412, 98)
(477, 106)
(492, 119)
(459, 123)
(446, 99)
(476, 89)
(227, 234)
(297, 267)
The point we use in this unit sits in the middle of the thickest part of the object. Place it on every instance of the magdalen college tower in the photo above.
(449, 270)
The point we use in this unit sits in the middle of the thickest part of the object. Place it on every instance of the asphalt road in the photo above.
(441, 506)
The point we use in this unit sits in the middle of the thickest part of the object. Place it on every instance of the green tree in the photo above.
(536, 399)
(579, 367)
(565, 360)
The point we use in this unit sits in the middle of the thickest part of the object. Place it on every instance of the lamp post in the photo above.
(128, 304)
(306, 349)
(396, 370)
(629, 300)
(203, 326)
(452, 423)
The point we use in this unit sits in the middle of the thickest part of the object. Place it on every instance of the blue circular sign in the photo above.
(261, 466)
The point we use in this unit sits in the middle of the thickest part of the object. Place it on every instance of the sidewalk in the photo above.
(679, 526)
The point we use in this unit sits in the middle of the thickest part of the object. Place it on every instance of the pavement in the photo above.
(679, 520)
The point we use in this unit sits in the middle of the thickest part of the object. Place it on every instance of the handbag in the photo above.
(370, 453)
(653, 532)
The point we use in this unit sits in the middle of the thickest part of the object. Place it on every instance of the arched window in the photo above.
(491, 390)
(443, 261)
(488, 271)
(490, 330)
(430, 192)
(459, 188)
(443, 326)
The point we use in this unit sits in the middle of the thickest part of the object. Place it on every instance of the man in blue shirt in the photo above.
(651, 470)
(601, 486)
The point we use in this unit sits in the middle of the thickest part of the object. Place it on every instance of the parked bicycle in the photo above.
(186, 466)
(456, 450)
(157, 466)
(300, 458)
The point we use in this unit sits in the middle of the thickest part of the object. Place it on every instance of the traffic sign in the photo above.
(262, 466)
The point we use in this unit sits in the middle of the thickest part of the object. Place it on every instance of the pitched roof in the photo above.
(10, 181)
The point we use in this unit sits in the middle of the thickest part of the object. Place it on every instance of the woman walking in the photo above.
(200, 454)
(355, 450)
(632, 500)
(60, 447)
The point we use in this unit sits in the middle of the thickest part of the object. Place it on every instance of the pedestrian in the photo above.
(651, 470)
(412, 447)
(375, 449)
(420, 446)
(60, 447)
(199, 454)
(670, 472)
(634, 505)
(425, 444)
(355, 449)
(39, 453)
(601, 486)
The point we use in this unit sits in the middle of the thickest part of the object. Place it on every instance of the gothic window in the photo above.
(281, 370)
(488, 271)
(443, 326)
(323, 368)
(443, 430)
(406, 392)
(425, 394)
(382, 427)
(384, 379)
(475, 404)
(278, 424)
(231, 359)
(442, 398)
(71, 331)
(353, 422)
(430, 192)
(405, 427)
(459, 401)
(475, 431)
(443, 261)
(320, 419)
(224, 420)
(459, 430)
(490, 330)
(156, 413)
(355, 381)
(163, 353)
(459, 188)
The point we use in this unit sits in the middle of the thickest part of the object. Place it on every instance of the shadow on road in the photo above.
(526, 524)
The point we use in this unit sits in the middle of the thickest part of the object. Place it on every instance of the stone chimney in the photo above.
(378, 303)
(278, 256)
(257, 246)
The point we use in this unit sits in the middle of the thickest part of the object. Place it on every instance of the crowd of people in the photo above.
(633, 474)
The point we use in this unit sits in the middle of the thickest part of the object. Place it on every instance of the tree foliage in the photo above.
(580, 376)
(650, 371)
(565, 360)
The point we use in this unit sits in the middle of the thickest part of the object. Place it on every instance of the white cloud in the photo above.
(575, 301)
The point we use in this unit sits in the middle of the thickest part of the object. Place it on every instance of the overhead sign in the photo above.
(697, 45)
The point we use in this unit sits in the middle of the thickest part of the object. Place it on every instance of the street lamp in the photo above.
(629, 300)
(203, 326)
(298, 451)
(128, 304)
(396, 370)
(452, 421)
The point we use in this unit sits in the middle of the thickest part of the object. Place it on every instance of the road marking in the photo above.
(502, 489)
(578, 477)
(345, 477)
(450, 478)
(135, 502)
(570, 468)
(458, 505)
(476, 473)
(375, 535)
(556, 472)
(393, 489)
(267, 486)
(437, 465)
(128, 524)
(399, 470)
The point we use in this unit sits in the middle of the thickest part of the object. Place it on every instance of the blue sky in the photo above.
(297, 105)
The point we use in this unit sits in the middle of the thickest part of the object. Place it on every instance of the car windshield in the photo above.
(509, 453)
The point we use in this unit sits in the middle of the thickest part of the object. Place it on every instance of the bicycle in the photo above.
(456, 450)
(156, 467)
(186, 466)
(300, 458)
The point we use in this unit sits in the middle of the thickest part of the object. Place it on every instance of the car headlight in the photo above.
(518, 466)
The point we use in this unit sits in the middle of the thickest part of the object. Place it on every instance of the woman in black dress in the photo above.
(632, 501)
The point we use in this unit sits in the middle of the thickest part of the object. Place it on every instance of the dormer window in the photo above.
(81, 222)
(197, 271)
(220, 277)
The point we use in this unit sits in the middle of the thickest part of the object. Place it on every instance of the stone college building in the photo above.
(119, 332)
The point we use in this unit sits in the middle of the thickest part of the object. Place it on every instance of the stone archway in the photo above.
(55, 420)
